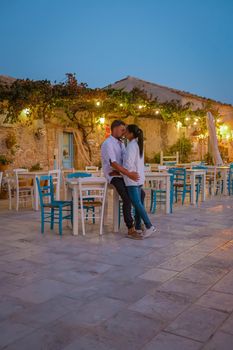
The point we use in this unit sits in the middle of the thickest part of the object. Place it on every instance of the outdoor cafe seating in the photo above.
(21, 189)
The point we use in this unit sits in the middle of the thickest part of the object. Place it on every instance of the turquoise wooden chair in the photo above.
(52, 211)
(182, 186)
(159, 196)
(77, 175)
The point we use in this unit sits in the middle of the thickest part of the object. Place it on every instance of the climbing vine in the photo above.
(27, 100)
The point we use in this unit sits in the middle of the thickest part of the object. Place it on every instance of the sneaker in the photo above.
(149, 232)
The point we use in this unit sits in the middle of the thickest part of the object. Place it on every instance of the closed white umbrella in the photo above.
(213, 139)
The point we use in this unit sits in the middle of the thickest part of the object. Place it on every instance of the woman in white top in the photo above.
(134, 161)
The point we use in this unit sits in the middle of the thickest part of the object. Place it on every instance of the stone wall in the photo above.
(32, 148)
(28, 150)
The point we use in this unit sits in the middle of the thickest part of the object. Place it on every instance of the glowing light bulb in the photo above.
(187, 119)
(140, 106)
(157, 112)
(178, 125)
(102, 120)
(121, 104)
(195, 123)
(98, 103)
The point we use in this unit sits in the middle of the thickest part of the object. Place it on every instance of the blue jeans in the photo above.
(135, 194)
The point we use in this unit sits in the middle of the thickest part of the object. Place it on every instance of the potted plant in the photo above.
(4, 162)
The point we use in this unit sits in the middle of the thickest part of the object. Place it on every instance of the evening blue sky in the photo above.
(184, 44)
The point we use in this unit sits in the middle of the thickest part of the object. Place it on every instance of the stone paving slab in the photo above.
(173, 291)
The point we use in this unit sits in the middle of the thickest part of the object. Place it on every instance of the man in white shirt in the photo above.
(112, 153)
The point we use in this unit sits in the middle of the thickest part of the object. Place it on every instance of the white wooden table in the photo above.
(193, 173)
(33, 175)
(73, 194)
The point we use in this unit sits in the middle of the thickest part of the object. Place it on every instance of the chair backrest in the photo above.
(20, 181)
(169, 160)
(45, 188)
(147, 168)
(56, 176)
(162, 167)
(93, 188)
(92, 168)
(78, 175)
(179, 175)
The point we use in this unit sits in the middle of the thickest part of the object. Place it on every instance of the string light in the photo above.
(102, 120)
(140, 106)
(187, 119)
(25, 113)
(178, 125)
(98, 103)
(157, 111)
(121, 104)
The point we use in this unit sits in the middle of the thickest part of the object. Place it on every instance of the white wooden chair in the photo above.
(92, 193)
(19, 188)
(162, 168)
(169, 160)
(56, 176)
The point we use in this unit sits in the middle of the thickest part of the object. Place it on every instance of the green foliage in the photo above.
(5, 160)
(36, 167)
(11, 140)
(156, 158)
(184, 147)
(42, 99)
(208, 159)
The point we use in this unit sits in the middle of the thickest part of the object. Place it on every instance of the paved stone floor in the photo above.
(173, 291)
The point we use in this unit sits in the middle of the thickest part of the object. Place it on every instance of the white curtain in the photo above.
(213, 139)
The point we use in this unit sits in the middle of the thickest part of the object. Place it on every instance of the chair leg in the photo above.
(71, 214)
(153, 202)
(42, 221)
(60, 221)
(52, 219)
(176, 195)
(93, 216)
(119, 215)
(197, 193)
(17, 200)
(32, 198)
(82, 219)
(101, 220)
(183, 196)
(171, 203)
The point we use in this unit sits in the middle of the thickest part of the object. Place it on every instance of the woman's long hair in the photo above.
(138, 134)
